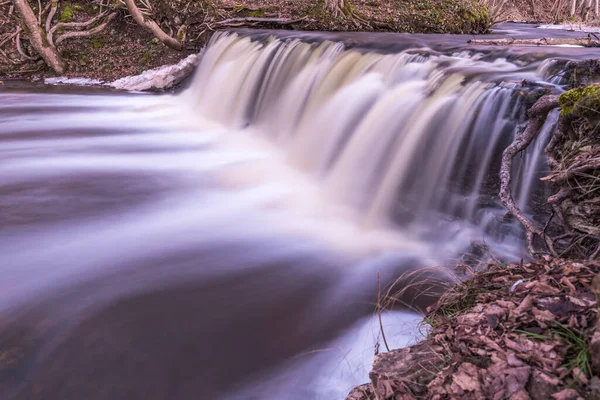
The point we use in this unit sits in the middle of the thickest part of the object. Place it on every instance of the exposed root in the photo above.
(46, 51)
(86, 33)
(537, 117)
(152, 26)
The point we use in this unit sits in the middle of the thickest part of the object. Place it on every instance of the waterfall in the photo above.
(401, 138)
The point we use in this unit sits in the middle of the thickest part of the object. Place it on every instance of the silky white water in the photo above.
(215, 243)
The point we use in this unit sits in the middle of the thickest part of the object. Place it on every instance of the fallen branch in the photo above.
(537, 117)
(279, 21)
(583, 41)
(152, 26)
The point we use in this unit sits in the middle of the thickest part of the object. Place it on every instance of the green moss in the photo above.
(146, 58)
(98, 42)
(257, 14)
(580, 102)
(67, 13)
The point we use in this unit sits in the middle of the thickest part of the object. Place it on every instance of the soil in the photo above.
(124, 48)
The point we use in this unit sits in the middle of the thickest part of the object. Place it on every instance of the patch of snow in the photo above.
(63, 80)
(571, 27)
(158, 78)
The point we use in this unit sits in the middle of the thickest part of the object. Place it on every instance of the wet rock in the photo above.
(404, 372)
(362, 392)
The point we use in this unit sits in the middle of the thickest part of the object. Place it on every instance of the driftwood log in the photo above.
(589, 41)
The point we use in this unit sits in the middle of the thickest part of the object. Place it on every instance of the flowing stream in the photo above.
(226, 242)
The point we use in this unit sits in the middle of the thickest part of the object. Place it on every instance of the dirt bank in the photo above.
(125, 48)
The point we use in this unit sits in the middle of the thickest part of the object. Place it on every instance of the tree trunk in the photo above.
(596, 8)
(573, 8)
(38, 41)
(335, 7)
(585, 11)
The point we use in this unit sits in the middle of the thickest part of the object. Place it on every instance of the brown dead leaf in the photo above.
(567, 394)
(514, 345)
(582, 301)
(467, 378)
(520, 395)
(513, 360)
(516, 379)
(543, 288)
(565, 281)
(544, 315)
(490, 343)
(470, 319)
(525, 305)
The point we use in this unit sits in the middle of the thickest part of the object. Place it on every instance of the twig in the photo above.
(10, 37)
(379, 312)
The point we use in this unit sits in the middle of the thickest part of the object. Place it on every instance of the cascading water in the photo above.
(404, 139)
(213, 244)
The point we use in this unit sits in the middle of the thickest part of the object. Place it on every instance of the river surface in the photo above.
(227, 242)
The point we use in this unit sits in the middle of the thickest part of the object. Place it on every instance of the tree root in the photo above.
(86, 33)
(39, 43)
(537, 116)
(152, 26)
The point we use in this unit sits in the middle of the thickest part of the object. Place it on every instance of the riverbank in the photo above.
(125, 48)
(509, 331)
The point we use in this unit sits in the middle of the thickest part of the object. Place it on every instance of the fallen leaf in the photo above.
(525, 305)
(516, 346)
(567, 394)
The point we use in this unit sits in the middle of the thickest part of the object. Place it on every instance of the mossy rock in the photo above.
(581, 102)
